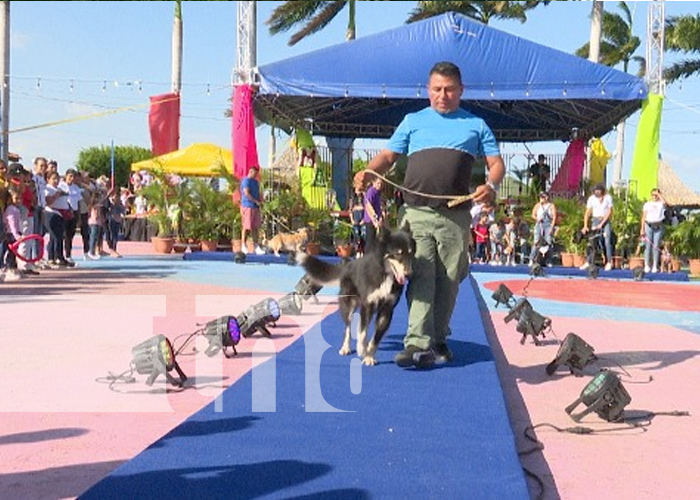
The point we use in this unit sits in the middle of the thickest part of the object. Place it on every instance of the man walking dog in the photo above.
(441, 141)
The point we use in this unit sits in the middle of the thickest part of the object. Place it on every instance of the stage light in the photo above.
(257, 317)
(291, 304)
(604, 395)
(222, 332)
(504, 296)
(593, 271)
(520, 306)
(154, 357)
(574, 352)
(537, 271)
(307, 288)
(239, 257)
(532, 323)
(638, 273)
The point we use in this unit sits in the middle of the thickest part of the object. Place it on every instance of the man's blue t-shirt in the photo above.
(441, 150)
(254, 187)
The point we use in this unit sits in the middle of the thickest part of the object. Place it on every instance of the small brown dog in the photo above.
(289, 242)
(666, 259)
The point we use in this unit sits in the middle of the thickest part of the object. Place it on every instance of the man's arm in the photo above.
(246, 192)
(495, 171)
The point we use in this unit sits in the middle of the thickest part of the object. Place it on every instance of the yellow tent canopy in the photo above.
(199, 159)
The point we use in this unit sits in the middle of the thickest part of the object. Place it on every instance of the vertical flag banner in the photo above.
(164, 123)
(245, 149)
(645, 163)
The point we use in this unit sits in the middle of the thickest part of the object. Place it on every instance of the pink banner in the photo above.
(245, 149)
(164, 123)
(570, 173)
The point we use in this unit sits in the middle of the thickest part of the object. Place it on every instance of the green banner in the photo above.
(645, 163)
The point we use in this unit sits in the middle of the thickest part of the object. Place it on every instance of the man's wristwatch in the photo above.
(493, 185)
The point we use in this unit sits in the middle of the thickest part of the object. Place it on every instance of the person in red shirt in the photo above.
(481, 238)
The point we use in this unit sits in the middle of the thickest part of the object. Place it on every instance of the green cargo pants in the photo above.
(441, 263)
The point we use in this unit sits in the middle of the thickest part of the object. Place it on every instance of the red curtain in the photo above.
(164, 123)
(245, 149)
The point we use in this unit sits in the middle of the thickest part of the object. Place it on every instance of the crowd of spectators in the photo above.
(54, 207)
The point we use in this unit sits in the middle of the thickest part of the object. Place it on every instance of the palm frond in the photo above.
(682, 69)
(292, 13)
(320, 21)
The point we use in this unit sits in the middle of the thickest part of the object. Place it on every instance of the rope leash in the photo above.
(454, 200)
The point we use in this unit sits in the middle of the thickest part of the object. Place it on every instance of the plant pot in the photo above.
(567, 260)
(579, 260)
(635, 262)
(180, 247)
(209, 245)
(195, 246)
(236, 245)
(313, 248)
(163, 245)
(617, 262)
(694, 265)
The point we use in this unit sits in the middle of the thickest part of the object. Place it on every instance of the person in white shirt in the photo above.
(599, 209)
(72, 215)
(652, 230)
(56, 210)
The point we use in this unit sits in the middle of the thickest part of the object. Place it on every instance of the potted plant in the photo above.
(626, 220)
(342, 239)
(320, 223)
(685, 242)
(165, 197)
(569, 223)
(212, 215)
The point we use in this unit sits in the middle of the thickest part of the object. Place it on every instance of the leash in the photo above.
(454, 200)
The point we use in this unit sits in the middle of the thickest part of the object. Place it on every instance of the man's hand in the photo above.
(484, 193)
(362, 178)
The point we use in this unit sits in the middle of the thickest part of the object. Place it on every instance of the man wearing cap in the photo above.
(599, 209)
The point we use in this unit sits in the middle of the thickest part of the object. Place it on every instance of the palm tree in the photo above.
(176, 69)
(479, 11)
(618, 45)
(683, 35)
(312, 16)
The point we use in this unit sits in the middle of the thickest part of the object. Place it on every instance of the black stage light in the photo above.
(222, 332)
(532, 323)
(257, 317)
(520, 306)
(638, 273)
(593, 271)
(291, 259)
(291, 304)
(239, 257)
(504, 296)
(537, 271)
(154, 357)
(574, 352)
(604, 395)
(307, 288)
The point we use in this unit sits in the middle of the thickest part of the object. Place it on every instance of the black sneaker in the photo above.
(413, 356)
(442, 354)
(65, 263)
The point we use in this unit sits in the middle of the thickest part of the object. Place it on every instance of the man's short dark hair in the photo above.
(448, 69)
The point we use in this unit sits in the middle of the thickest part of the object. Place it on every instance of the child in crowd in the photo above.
(115, 219)
(13, 231)
(95, 223)
(481, 238)
(496, 236)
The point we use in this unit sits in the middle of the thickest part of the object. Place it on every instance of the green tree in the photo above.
(682, 34)
(97, 160)
(311, 16)
(618, 43)
(483, 12)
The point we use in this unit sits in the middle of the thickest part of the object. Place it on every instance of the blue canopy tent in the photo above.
(525, 91)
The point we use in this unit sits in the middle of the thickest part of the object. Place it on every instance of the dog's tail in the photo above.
(319, 271)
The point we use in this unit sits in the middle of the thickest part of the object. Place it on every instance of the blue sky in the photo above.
(71, 60)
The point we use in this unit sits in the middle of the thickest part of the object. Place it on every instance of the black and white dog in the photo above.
(372, 284)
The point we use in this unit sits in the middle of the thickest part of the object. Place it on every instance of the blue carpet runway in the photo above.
(340, 431)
